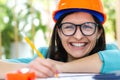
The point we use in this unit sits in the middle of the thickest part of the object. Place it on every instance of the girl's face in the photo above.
(78, 45)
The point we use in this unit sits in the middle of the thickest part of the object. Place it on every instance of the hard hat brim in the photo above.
(99, 16)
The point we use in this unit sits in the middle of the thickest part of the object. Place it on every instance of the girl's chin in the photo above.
(77, 56)
(74, 58)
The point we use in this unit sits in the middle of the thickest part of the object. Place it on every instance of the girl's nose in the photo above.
(78, 34)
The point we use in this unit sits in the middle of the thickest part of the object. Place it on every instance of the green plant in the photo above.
(9, 20)
(6, 28)
(110, 24)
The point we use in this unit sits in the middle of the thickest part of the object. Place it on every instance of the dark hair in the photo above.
(56, 50)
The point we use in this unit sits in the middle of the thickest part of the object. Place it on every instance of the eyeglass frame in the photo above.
(77, 25)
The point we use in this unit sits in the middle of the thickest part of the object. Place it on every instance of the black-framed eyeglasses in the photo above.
(69, 29)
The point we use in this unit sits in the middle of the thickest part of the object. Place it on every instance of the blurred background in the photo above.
(34, 18)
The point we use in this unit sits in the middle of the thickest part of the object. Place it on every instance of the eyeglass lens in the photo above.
(86, 29)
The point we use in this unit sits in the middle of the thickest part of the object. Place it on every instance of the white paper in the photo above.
(71, 76)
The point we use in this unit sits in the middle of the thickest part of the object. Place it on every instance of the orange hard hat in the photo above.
(93, 7)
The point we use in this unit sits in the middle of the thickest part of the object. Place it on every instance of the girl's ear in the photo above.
(59, 33)
(99, 33)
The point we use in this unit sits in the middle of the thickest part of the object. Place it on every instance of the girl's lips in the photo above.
(78, 44)
(78, 49)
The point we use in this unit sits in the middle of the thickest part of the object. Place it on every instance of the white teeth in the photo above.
(78, 44)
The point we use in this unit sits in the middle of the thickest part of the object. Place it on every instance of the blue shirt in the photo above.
(109, 57)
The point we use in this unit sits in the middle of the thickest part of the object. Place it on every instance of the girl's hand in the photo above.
(43, 67)
(58, 64)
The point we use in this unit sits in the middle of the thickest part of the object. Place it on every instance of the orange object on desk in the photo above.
(21, 76)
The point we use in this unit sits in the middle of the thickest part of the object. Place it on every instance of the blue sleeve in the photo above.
(43, 50)
(110, 59)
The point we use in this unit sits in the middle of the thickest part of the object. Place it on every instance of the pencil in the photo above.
(34, 48)
(32, 45)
